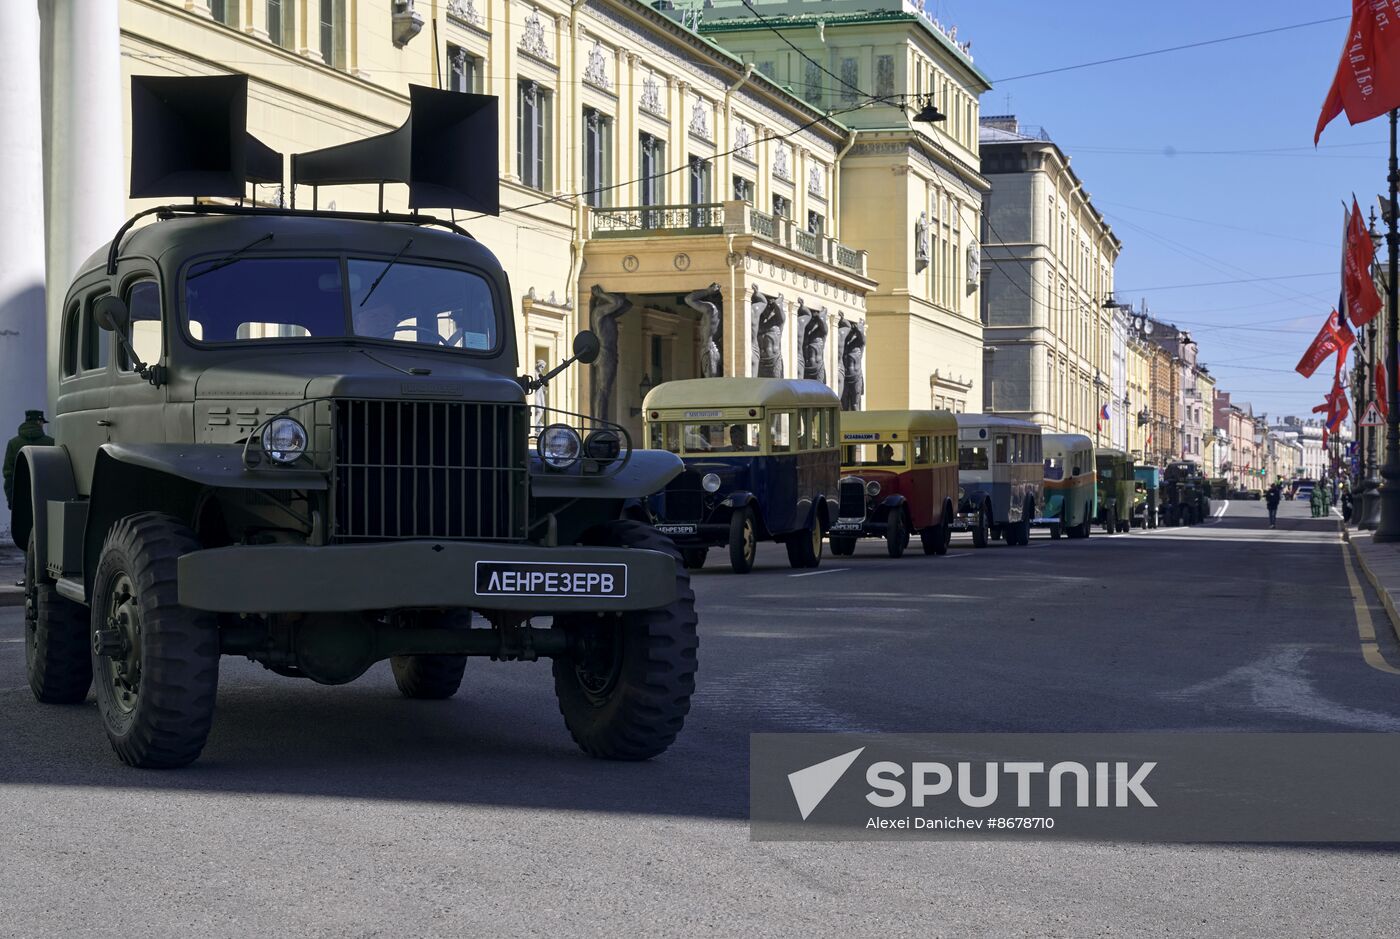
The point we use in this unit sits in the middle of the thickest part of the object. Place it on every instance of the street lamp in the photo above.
(1389, 528)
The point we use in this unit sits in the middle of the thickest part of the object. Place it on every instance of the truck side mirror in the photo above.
(587, 346)
(111, 314)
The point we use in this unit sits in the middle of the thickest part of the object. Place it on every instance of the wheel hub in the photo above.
(598, 663)
(118, 643)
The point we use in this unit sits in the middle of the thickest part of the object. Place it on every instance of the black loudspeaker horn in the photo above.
(189, 137)
(446, 152)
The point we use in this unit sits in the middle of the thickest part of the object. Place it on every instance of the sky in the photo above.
(1134, 130)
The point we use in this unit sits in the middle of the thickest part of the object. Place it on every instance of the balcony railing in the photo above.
(730, 218)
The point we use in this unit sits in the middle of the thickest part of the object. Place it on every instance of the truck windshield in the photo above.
(300, 298)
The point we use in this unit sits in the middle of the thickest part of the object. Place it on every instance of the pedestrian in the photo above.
(1271, 499)
(31, 434)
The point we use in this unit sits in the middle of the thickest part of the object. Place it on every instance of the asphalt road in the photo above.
(351, 812)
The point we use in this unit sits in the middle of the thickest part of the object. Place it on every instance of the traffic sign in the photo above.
(1372, 417)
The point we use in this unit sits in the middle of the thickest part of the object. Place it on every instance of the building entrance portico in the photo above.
(716, 290)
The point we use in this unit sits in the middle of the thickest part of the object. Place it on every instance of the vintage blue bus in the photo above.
(761, 464)
(1000, 478)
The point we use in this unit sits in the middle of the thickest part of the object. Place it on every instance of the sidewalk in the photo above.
(11, 570)
(1381, 565)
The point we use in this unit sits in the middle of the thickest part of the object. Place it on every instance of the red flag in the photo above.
(1367, 83)
(1323, 345)
(1358, 288)
(1382, 391)
(1345, 339)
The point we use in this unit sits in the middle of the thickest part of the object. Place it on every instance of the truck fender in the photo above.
(644, 473)
(42, 475)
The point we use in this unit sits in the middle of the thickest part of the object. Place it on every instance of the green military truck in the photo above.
(1185, 497)
(301, 437)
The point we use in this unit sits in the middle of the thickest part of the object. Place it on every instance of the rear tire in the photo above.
(1056, 531)
(896, 534)
(56, 640)
(936, 538)
(625, 694)
(804, 547)
(743, 541)
(156, 695)
(432, 677)
(694, 557)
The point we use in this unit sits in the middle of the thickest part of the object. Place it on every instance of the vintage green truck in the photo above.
(301, 437)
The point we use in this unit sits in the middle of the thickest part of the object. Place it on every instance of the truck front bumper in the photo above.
(425, 574)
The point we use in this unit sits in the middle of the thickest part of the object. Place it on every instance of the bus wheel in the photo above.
(1056, 531)
(843, 546)
(980, 532)
(743, 541)
(804, 547)
(694, 557)
(896, 534)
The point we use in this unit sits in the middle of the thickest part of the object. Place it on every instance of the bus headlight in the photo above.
(872, 488)
(560, 446)
(710, 483)
(284, 439)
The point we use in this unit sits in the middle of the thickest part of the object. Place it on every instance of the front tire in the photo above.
(743, 541)
(56, 655)
(155, 663)
(896, 534)
(980, 534)
(625, 692)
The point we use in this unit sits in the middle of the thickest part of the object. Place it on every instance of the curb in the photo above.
(11, 597)
(1390, 611)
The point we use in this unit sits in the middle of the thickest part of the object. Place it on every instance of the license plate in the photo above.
(848, 526)
(678, 529)
(958, 525)
(545, 579)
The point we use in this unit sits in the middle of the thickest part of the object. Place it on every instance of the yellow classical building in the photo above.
(1138, 413)
(707, 199)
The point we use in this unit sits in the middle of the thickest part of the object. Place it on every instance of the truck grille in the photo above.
(685, 499)
(852, 498)
(430, 469)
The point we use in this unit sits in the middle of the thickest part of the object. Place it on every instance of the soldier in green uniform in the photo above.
(31, 434)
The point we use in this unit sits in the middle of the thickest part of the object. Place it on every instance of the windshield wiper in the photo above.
(228, 259)
(392, 261)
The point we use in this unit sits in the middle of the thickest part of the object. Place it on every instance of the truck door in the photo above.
(136, 408)
(84, 382)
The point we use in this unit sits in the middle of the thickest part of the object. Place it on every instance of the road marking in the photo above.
(829, 570)
(12, 640)
(1365, 626)
(1223, 509)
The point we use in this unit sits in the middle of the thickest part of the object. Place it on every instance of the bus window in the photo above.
(721, 437)
(665, 437)
(1054, 467)
(923, 450)
(1001, 448)
(806, 433)
(780, 431)
(972, 458)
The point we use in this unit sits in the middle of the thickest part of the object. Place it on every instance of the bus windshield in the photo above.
(874, 454)
(1054, 468)
(716, 437)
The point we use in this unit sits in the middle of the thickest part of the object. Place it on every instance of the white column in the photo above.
(85, 139)
(22, 323)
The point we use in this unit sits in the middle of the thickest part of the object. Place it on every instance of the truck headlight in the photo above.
(604, 446)
(872, 488)
(710, 483)
(560, 446)
(284, 439)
